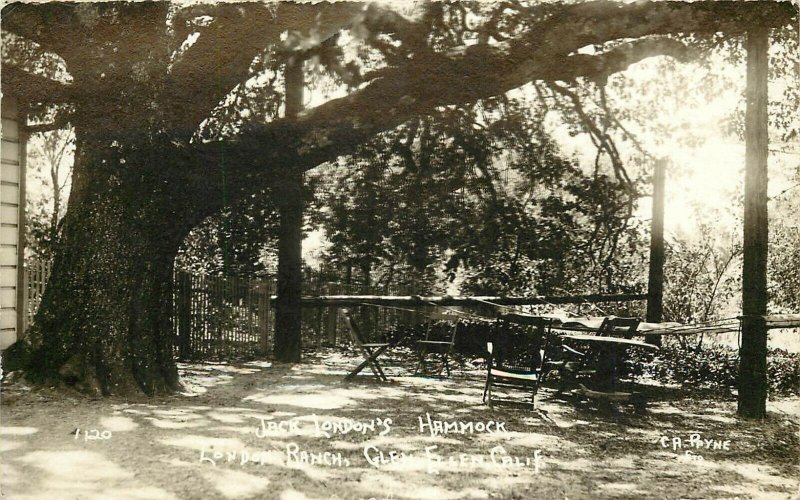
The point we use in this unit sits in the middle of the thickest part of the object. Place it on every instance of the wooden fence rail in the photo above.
(479, 301)
(223, 317)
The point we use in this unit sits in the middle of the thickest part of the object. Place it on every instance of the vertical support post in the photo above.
(655, 280)
(183, 293)
(406, 317)
(331, 320)
(319, 331)
(22, 285)
(753, 350)
(287, 345)
(367, 320)
(249, 301)
(264, 293)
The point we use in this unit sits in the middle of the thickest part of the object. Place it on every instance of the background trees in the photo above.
(177, 137)
(49, 159)
(482, 197)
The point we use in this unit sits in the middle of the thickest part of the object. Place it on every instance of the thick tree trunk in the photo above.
(104, 325)
(288, 315)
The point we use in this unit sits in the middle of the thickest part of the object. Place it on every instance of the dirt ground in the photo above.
(255, 430)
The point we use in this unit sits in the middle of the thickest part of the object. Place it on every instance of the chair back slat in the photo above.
(618, 327)
(521, 351)
(352, 327)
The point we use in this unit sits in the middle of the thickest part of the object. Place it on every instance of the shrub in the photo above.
(717, 366)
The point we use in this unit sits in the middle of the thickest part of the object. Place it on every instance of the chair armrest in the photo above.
(490, 357)
(573, 351)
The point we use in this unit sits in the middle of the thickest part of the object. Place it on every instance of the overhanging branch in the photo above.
(480, 71)
(600, 66)
(224, 51)
(34, 88)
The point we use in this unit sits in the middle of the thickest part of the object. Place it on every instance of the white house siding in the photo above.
(12, 189)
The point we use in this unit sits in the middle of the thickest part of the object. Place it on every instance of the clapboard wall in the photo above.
(12, 221)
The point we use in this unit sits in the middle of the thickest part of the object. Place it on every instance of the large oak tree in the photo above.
(148, 78)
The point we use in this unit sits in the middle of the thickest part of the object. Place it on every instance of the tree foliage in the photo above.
(483, 196)
(168, 134)
(48, 164)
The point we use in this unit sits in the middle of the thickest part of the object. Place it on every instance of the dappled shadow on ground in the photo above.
(299, 431)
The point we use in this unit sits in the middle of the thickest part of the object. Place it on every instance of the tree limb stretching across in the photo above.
(548, 50)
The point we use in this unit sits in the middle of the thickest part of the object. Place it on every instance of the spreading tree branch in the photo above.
(431, 79)
(546, 49)
(222, 55)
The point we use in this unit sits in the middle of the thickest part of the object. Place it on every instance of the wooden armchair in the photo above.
(442, 348)
(595, 368)
(516, 359)
(579, 362)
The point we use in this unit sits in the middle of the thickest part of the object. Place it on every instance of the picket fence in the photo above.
(36, 275)
(218, 318)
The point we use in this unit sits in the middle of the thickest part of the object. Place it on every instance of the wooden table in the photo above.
(520, 318)
(609, 341)
(607, 355)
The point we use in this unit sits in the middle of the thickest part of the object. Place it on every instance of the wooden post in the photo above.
(753, 350)
(319, 331)
(22, 286)
(23, 307)
(332, 318)
(183, 294)
(407, 318)
(287, 345)
(655, 281)
(251, 321)
(264, 293)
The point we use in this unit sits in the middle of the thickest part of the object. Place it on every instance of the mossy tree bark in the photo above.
(104, 323)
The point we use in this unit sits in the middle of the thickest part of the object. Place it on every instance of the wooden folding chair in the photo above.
(370, 351)
(574, 362)
(599, 364)
(516, 361)
(441, 347)
(609, 357)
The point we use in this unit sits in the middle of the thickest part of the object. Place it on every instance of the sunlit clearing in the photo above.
(86, 465)
(235, 484)
(118, 424)
(17, 431)
(292, 495)
(196, 442)
(321, 401)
